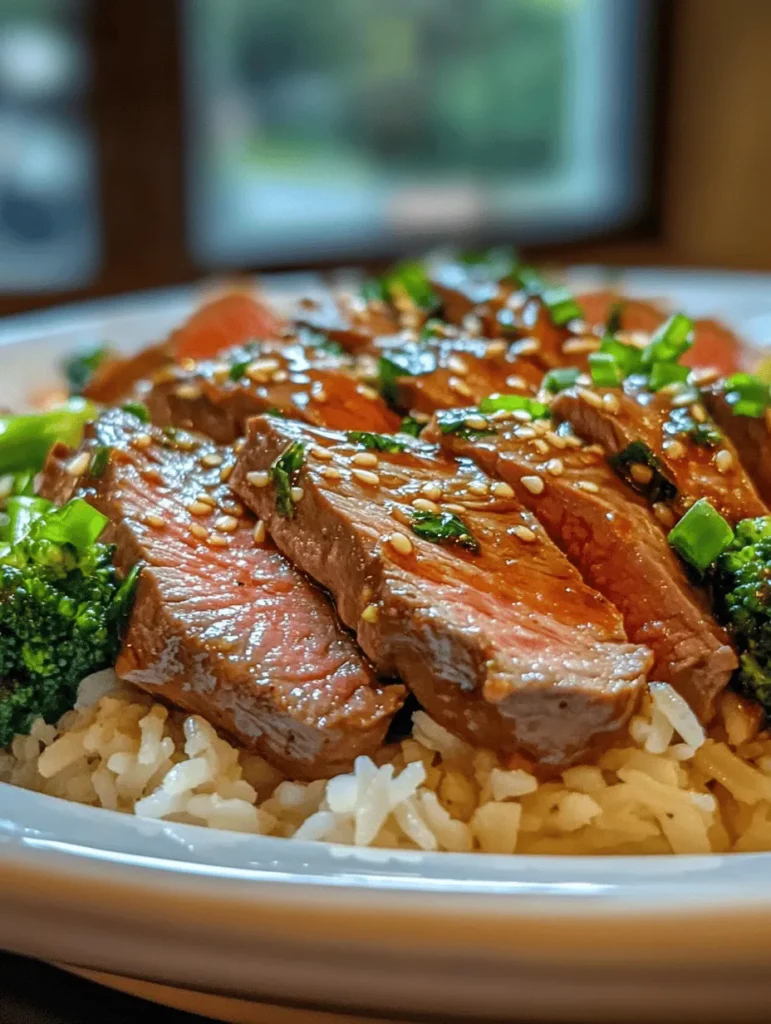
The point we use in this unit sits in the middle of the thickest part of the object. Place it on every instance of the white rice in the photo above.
(668, 787)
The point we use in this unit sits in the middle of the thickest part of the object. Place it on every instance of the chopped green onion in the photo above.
(432, 328)
(706, 434)
(409, 277)
(615, 315)
(21, 511)
(670, 341)
(25, 440)
(560, 302)
(494, 403)
(410, 426)
(655, 485)
(238, 370)
(664, 374)
(138, 409)
(627, 357)
(410, 361)
(24, 483)
(281, 472)
(99, 460)
(605, 371)
(747, 395)
(455, 421)
(490, 264)
(81, 367)
(701, 536)
(441, 526)
(317, 339)
(75, 523)
(377, 442)
(560, 379)
(124, 598)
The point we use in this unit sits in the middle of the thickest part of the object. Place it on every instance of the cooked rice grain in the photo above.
(667, 788)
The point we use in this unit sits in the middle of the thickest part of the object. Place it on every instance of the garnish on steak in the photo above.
(223, 624)
(451, 584)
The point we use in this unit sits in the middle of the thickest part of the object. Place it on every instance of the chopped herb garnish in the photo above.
(604, 370)
(410, 361)
(490, 264)
(317, 339)
(615, 315)
(494, 403)
(238, 370)
(560, 379)
(656, 486)
(747, 395)
(408, 278)
(81, 367)
(443, 526)
(376, 442)
(670, 341)
(411, 426)
(23, 483)
(433, 328)
(275, 411)
(281, 472)
(706, 434)
(138, 409)
(99, 460)
(627, 357)
(560, 302)
(455, 421)
(701, 536)
(664, 374)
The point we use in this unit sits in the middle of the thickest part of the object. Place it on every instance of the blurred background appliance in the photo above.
(150, 142)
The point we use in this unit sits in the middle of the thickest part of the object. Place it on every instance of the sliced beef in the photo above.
(300, 381)
(633, 314)
(610, 535)
(491, 627)
(223, 625)
(678, 437)
(347, 319)
(117, 377)
(749, 434)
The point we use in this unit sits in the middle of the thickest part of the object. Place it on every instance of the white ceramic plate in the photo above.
(394, 933)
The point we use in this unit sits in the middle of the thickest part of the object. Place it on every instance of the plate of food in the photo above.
(394, 646)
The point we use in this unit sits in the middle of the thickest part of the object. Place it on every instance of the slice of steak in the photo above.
(633, 425)
(301, 381)
(610, 535)
(450, 585)
(349, 320)
(223, 625)
(751, 436)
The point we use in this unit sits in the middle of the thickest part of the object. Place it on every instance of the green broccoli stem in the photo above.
(26, 439)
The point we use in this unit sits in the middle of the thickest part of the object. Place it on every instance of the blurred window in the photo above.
(344, 127)
(48, 214)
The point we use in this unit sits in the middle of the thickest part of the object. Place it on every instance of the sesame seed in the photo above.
(704, 375)
(534, 484)
(280, 376)
(477, 422)
(572, 441)
(322, 453)
(460, 387)
(425, 505)
(188, 391)
(521, 415)
(367, 392)
(198, 531)
(472, 324)
(318, 393)
(502, 490)
(698, 413)
(516, 382)
(364, 476)
(664, 514)
(456, 364)
(611, 402)
(330, 473)
(142, 441)
(587, 485)
(495, 350)
(555, 467)
(501, 416)
(681, 400)
(238, 444)
(261, 478)
(580, 346)
(225, 472)
(478, 487)
(451, 507)
(400, 542)
(432, 491)
(674, 449)
(220, 373)
(212, 460)
(207, 499)
(370, 613)
(590, 398)
(259, 532)
(584, 380)
(365, 459)
(259, 370)
(594, 449)
(418, 416)
(216, 540)
(526, 347)
(401, 515)
(155, 521)
(526, 433)
(541, 445)
(641, 474)
(79, 465)
(724, 461)
(524, 533)
(297, 493)
(227, 524)
(199, 508)
(556, 441)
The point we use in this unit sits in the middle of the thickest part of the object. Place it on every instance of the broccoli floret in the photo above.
(62, 608)
(743, 597)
